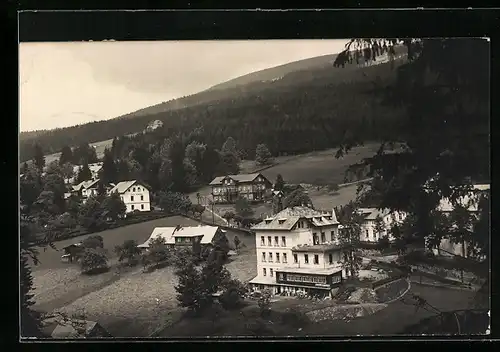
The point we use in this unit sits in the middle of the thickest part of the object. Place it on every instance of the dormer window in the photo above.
(281, 221)
(268, 221)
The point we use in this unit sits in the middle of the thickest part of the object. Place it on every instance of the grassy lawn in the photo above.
(318, 168)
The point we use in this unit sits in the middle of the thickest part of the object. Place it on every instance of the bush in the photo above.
(264, 302)
(231, 299)
(93, 242)
(93, 262)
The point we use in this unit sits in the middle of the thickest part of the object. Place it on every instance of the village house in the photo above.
(58, 327)
(134, 194)
(369, 231)
(447, 247)
(253, 187)
(298, 250)
(94, 168)
(85, 189)
(185, 236)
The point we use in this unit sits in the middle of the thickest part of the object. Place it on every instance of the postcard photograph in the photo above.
(243, 188)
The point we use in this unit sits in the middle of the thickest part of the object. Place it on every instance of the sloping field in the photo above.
(319, 168)
(150, 296)
(51, 259)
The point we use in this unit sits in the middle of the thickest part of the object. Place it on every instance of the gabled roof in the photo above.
(373, 213)
(170, 233)
(288, 217)
(67, 328)
(85, 184)
(123, 186)
(238, 178)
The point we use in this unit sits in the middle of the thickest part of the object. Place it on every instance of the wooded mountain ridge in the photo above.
(309, 97)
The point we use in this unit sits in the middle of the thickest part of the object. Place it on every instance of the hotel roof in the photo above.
(287, 218)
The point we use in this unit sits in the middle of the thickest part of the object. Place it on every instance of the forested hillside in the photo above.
(304, 111)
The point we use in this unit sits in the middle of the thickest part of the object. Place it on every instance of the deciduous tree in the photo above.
(243, 208)
(114, 206)
(262, 154)
(93, 261)
(349, 237)
(128, 251)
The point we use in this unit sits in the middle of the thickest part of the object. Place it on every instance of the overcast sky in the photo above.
(65, 84)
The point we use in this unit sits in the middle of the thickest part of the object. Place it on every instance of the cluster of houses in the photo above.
(134, 194)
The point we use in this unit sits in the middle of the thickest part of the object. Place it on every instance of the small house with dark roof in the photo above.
(253, 187)
(68, 328)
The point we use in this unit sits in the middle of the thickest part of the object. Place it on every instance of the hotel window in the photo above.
(133, 189)
(283, 241)
(262, 242)
(270, 257)
(367, 234)
(132, 207)
(332, 235)
(330, 258)
(142, 206)
(306, 258)
(264, 272)
(264, 257)
(284, 257)
(276, 241)
(281, 276)
(315, 239)
(269, 241)
(277, 257)
(271, 272)
(142, 197)
(295, 259)
(299, 225)
(323, 237)
(131, 198)
(316, 259)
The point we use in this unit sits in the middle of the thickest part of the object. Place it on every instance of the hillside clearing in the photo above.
(319, 168)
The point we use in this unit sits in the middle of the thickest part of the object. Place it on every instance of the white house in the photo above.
(85, 189)
(447, 247)
(94, 170)
(134, 194)
(178, 236)
(298, 251)
(369, 232)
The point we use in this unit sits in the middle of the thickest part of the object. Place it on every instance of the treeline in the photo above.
(289, 119)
